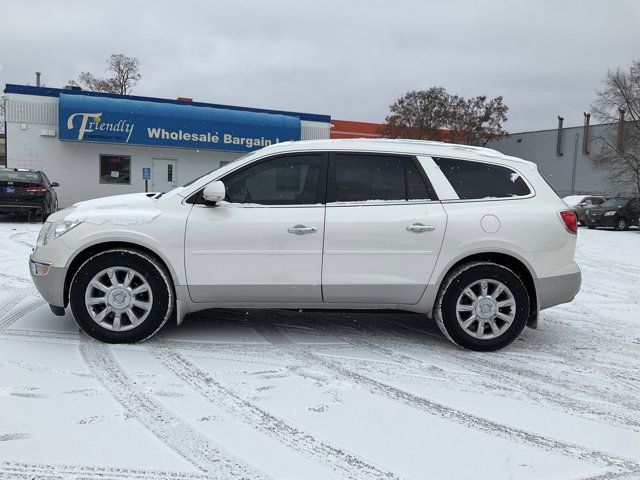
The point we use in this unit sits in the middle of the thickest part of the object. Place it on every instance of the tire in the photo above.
(451, 297)
(46, 211)
(141, 315)
(621, 224)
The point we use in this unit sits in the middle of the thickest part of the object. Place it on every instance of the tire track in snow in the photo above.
(31, 471)
(489, 364)
(19, 312)
(6, 307)
(41, 335)
(17, 279)
(347, 465)
(474, 422)
(173, 431)
(535, 392)
(13, 238)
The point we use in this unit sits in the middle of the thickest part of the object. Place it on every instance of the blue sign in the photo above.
(84, 118)
(146, 173)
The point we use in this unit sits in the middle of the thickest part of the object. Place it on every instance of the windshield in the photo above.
(13, 176)
(217, 168)
(615, 203)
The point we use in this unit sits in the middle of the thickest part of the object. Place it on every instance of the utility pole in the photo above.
(575, 163)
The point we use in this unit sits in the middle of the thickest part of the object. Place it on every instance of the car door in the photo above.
(264, 243)
(383, 230)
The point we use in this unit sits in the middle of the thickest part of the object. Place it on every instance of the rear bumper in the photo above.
(21, 207)
(50, 285)
(559, 289)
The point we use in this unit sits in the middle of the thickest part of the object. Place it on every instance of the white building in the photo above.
(97, 144)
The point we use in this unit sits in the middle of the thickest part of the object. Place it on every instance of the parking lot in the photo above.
(285, 394)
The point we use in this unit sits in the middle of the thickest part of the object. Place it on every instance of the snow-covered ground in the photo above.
(325, 395)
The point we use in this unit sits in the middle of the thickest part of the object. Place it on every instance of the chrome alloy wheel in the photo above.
(485, 309)
(118, 298)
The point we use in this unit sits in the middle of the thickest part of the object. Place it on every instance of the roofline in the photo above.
(409, 147)
(511, 134)
(55, 92)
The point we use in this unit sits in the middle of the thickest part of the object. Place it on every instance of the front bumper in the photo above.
(559, 289)
(51, 284)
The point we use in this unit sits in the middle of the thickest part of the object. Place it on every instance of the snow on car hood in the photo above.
(129, 209)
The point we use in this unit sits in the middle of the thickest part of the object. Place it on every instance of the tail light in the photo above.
(36, 188)
(570, 221)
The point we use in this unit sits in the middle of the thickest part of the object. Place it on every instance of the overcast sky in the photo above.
(349, 59)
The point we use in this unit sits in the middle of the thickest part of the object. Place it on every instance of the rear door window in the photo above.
(477, 180)
(362, 177)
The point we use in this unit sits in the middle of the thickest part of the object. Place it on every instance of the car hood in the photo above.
(128, 209)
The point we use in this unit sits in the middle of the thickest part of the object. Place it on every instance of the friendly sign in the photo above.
(84, 118)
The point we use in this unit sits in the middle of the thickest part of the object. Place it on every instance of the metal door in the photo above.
(164, 174)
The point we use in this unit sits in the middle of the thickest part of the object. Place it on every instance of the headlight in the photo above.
(55, 230)
(610, 213)
(43, 233)
(587, 212)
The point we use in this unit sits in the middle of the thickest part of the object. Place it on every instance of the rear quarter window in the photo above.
(476, 180)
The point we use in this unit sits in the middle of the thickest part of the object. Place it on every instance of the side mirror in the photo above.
(585, 204)
(214, 192)
(55, 184)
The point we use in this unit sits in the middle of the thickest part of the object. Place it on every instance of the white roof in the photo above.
(412, 147)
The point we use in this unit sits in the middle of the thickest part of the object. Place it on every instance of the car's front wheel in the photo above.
(121, 296)
(621, 224)
(482, 306)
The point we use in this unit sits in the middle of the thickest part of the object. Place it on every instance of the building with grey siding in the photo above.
(568, 169)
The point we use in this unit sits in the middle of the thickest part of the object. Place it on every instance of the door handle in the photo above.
(420, 228)
(301, 230)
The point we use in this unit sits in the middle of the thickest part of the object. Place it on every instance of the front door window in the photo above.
(287, 180)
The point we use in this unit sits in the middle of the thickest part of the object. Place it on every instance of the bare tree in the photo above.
(435, 114)
(477, 120)
(620, 153)
(126, 73)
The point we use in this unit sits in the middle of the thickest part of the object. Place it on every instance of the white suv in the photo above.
(474, 238)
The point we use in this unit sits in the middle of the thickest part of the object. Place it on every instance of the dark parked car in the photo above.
(619, 213)
(27, 191)
(581, 203)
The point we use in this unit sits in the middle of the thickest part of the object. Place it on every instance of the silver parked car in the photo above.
(581, 203)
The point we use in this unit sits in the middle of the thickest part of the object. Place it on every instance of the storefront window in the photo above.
(115, 169)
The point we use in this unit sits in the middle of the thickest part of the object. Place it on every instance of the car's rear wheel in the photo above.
(45, 212)
(482, 306)
(121, 296)
(622, 224)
